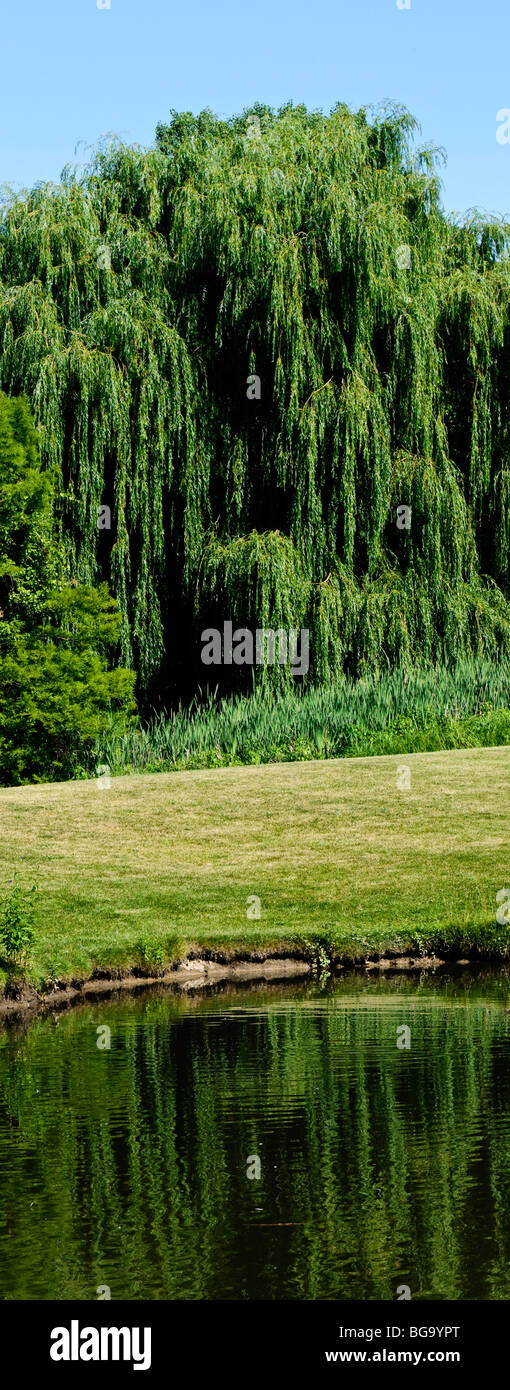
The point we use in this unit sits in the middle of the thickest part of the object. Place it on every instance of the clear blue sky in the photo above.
(72, 72)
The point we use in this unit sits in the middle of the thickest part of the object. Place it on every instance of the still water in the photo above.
(373, 1165)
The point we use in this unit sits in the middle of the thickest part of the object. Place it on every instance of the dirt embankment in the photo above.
(195, 973)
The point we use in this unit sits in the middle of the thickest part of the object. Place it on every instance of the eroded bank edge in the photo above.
(199, 970)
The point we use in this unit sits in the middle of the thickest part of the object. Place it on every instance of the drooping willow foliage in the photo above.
(253, 343)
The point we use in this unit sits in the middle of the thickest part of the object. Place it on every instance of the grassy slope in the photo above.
(333, 849)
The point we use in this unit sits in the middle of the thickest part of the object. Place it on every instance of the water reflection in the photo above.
(380, 1165)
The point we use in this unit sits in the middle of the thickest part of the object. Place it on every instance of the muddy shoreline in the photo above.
(199, 972)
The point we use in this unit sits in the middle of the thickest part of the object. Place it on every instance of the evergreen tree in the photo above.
(56, 692)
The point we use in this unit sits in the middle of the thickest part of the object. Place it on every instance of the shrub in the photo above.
(17, 925)
(58, 692)
(150, 954)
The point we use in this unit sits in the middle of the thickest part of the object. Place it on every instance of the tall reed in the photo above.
(468, 705)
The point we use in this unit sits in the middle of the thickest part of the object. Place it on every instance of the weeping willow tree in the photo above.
(254, 344)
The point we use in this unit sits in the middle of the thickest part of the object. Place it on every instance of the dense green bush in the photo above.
(57, 693)
(17, 925)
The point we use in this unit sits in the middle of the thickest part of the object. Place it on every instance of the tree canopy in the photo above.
(253, 343)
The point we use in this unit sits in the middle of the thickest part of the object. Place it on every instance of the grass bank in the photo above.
(337, 858)
(466, 706)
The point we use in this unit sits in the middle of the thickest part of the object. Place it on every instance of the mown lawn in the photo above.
(334, 850)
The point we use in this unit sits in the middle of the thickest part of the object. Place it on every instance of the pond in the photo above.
(345, 1139)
